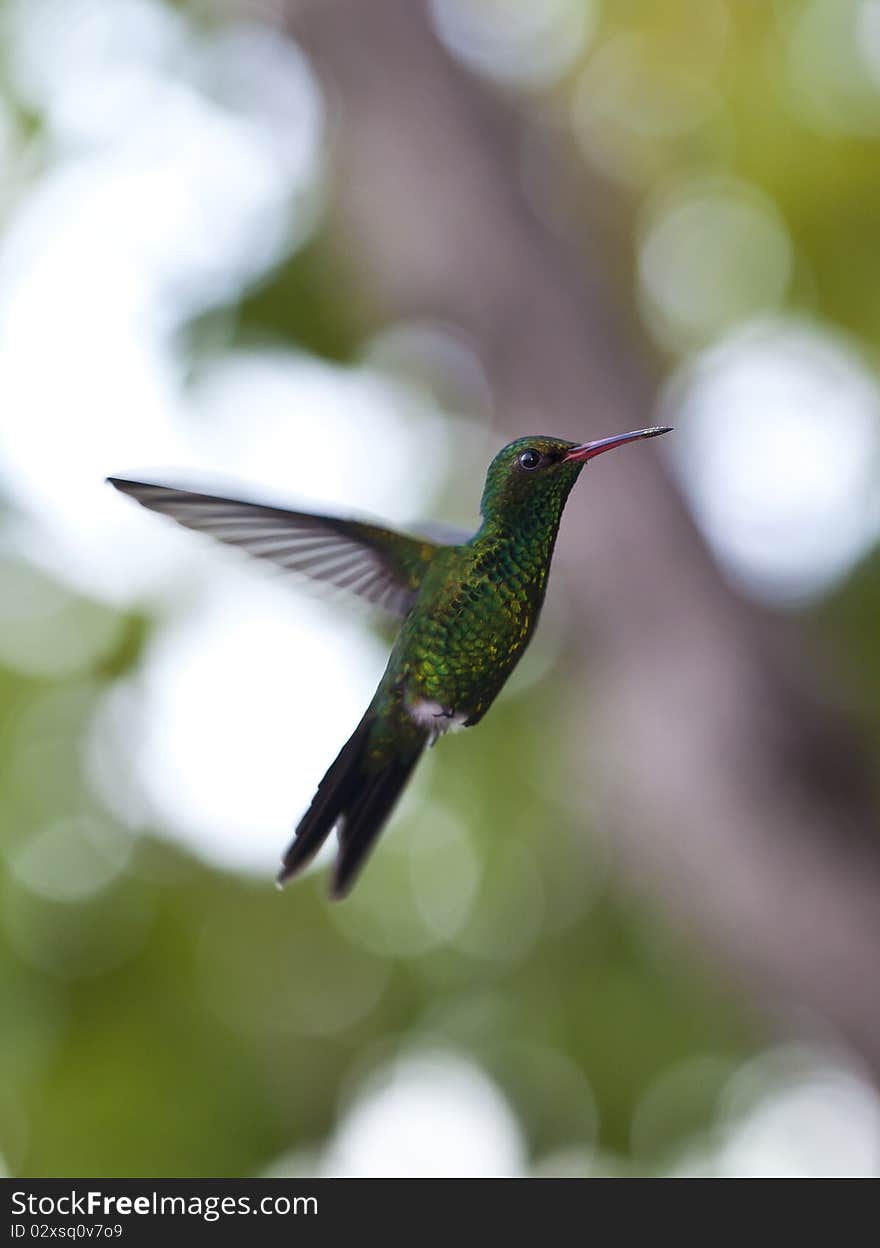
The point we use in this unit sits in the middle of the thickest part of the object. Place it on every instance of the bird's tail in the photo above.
(357, 795)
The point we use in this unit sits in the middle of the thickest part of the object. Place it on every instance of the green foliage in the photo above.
(185, 1021)
(300, 303)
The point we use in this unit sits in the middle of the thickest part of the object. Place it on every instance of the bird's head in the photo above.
(536, 472)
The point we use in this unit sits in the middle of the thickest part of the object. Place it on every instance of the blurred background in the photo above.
(339, 253)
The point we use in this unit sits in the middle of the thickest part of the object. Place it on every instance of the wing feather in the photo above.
(379, 565)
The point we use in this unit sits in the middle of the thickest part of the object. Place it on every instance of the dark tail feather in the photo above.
(336, 791)
(357, 794)
(366, 817)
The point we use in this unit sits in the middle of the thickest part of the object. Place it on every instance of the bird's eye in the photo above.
(529, 460)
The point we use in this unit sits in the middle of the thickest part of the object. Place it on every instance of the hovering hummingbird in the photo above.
(468, 609)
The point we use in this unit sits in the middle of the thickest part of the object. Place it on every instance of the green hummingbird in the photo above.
(468, 609)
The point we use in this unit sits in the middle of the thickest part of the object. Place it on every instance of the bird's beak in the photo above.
(587, 450)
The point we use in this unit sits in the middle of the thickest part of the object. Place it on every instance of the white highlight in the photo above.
(793, 1112)
(428, 1116)
(777, 439)
(246, 703)
(150, 124)
(520, 44)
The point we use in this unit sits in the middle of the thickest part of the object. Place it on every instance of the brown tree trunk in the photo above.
(738, 794)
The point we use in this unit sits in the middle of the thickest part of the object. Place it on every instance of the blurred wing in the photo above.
(384, 567)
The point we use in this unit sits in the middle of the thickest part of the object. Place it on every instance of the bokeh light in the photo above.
(797, 1113)
(641, 90)
(431, 1115)
(118, 242)
(712, 254)
(71, 859)
(778, 453)
(520, 45)
(44, 629)
(832, 57)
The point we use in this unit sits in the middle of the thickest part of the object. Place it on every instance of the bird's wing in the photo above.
(384, 567)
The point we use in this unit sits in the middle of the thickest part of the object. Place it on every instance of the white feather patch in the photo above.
(436, 718)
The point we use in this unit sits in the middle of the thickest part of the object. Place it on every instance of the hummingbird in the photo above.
(467, 607)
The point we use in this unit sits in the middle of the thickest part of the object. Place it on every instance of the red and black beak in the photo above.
(588, 450)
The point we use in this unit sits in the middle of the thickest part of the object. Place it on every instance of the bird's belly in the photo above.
(459, 662)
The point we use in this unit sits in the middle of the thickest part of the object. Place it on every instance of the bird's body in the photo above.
(470, 624)
(468, 612)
